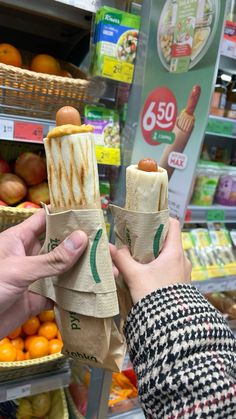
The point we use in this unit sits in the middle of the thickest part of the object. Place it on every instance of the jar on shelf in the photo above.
(218, 103)
(231, 99)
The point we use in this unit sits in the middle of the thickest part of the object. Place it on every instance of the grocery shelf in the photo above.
(221, 127)
(216, 284)
(214, 213)
(37, 383)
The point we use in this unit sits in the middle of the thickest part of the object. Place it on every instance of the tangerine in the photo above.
(4, 340)
(15, 333)
(20, 356)
(28, 340)
(47, 316)
(48, 330)
(65, 73)
(18, 343)
(30, 327)
(10, 55)
(38, 347)
(59, 335)
(55, 346)
(27, 355)
(7, 353)
(43, 63)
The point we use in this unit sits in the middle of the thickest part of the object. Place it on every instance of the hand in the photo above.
(21, 266)
(170, 267)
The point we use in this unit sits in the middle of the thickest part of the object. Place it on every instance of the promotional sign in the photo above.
(176, 68)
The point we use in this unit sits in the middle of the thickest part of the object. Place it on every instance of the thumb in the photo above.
(30, 268)
(124, 262)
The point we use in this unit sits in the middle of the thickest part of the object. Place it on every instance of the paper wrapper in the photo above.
(144, 233)
(87, 292)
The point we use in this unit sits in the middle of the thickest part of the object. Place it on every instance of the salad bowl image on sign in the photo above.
(185, 32)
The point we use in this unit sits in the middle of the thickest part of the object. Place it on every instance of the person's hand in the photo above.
(170, 267)
(21, 266)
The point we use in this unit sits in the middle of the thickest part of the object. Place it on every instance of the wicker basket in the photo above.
(59, 406)
(25, 92)
(10, 216)
(18, 369)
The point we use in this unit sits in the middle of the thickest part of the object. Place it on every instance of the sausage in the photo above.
(68, 115)
(193, 99)
(148, 165)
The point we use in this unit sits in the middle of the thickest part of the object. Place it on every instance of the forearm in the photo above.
(183, 354)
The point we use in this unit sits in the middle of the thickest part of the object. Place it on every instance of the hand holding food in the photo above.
(142, 279)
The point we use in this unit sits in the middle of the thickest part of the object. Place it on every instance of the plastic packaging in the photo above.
(106, 125)
(207, 177)
(226, 191)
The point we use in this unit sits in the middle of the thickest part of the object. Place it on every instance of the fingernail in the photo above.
(74, 241)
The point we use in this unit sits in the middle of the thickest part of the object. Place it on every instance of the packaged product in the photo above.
(218, 103)
(207, 177)
(199, 270)
(106, 125)
(114, 44)
(231, 98)
(226, 191)
(221, 241)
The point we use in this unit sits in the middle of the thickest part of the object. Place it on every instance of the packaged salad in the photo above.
(106, 125)
(114, 44)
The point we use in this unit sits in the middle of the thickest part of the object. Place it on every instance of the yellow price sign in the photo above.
(117, 70)
(109, 156)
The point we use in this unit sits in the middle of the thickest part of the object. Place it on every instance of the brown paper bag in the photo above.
(144, 234)
(89, 287)
(95, 342)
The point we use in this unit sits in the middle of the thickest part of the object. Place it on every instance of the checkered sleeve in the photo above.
(184, 356)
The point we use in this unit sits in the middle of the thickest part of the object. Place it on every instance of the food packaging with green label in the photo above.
(114, 44)
(207, 177)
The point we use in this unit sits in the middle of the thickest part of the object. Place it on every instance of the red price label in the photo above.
(28, 131)
(159, 114)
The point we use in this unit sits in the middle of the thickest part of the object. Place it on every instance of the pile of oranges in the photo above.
(41, 63)
(37, 337)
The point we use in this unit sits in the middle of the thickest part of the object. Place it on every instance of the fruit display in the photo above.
(23, 182)
(39, 336)
(40, 63)
(43, 406)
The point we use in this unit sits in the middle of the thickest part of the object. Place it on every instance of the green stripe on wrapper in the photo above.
(93, 255)
(156, 241)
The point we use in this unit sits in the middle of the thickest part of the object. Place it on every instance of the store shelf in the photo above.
(216, 284)
(214, 213)
(38, 383)
(228, 64)
(221, 127)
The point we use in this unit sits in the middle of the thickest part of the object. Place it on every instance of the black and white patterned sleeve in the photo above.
(184, 356)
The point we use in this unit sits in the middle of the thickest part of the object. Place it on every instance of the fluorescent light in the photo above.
(226, 77)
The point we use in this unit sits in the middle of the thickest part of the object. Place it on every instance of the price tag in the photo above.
(215, 215)
(159, 116)
(109, 156)
(188, 215)
(220, 126)
(6, 129)
(18, 392)
(117, 70)
(28, 131)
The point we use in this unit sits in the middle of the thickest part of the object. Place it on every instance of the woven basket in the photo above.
(10, 216)
(19, 369)
(59, 406)
(25, 92)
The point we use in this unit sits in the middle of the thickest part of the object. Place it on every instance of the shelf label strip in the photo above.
(17, 392)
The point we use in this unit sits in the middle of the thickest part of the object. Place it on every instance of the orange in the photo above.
(15, 333)
(38, 347)
(27, 355)
(59, 335)
(47, 316)
(20, 356)
(10, 55)
(4, 340)
(48, 330)
(31, 326)
(18, 343)
(55, 346)
(43, 63)
(28, 340)
(7, 353)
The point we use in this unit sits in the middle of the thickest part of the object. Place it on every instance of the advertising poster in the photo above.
(172, 89)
